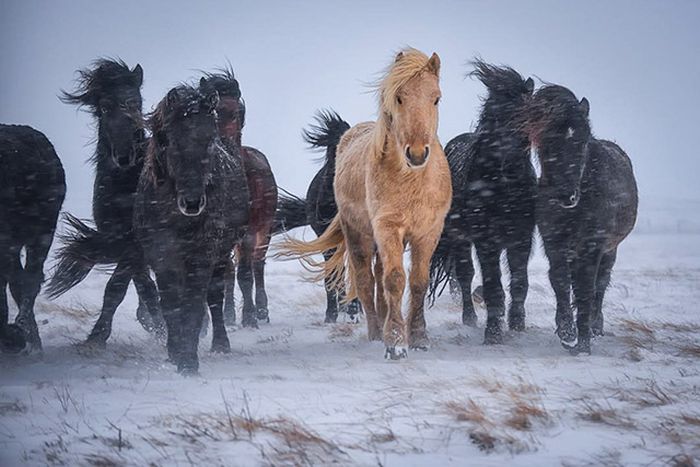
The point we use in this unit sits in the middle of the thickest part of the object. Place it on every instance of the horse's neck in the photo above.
(385, 147)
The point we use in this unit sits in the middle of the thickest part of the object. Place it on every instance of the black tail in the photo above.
(83, 247)
(290, 214)
(326, 132)
(442, 268)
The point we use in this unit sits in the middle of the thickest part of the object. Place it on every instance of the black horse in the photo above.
(32, 189)
(112, 93)
(586, 205)
(191, 210)
(263, 200)
(319, 208)
(493, 206)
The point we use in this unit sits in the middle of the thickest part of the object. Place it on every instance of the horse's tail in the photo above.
(442, 267)
(326, 133)
(290, 214)
(334, 268)
(83, 248)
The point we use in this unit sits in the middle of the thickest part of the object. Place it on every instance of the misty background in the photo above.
(633, 60)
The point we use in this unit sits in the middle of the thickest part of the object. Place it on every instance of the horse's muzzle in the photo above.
(417, 161)
(191, 207)
(572, 201)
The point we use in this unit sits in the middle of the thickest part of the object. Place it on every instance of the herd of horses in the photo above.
(179, 198)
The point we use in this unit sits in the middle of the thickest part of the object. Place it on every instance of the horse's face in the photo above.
(562, 144)
(231, 117)
(189, 144)
(120, 116)
(414, 115)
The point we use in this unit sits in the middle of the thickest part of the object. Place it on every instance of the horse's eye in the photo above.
(398, 99)
(104, 109)
(437, 100)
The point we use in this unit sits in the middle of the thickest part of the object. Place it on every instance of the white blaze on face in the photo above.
(569, 132)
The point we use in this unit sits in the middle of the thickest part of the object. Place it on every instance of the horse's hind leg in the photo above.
(113, 296)
(230, 293)
(518, 257)
(490, 260)
(262, 242)
(332, 298)
(464, 271)
(32, 277)
(215, 299)
(360, 252)
(602, 281)
(11, 336)
(245, 282)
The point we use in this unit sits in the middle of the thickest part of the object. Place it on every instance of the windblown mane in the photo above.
(400, 72)
(224, 81)
(326, 132)
(105, 74)
(498, 79)
(552, 101)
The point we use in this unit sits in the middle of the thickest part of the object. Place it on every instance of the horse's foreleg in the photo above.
(32, 277)
(148, 294)
(245, 281)
(464, 272)
(390, 247)
(518, 257)
(560, 280)
(259, 253)
(418, 280)
(490, 260)
(602, 281)
(114, 294)
(215, 299)
(584, 277)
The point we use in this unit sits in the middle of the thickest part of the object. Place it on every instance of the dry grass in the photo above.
(12, 408)
(639, 335)
(341, 331)
(689, 350)
(469, 412)
(597, 413)
(523, 413)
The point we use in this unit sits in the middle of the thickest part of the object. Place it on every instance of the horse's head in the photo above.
(184, 143)
(559, 129)
(231, 108)
(409, 97)
(112, 92)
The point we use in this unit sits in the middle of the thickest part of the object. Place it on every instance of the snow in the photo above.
(300, 392)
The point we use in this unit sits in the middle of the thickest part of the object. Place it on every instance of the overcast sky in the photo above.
(633, 60)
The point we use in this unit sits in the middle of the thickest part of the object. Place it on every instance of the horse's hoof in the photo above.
(13, 340)
(188, 368)
(250, 323)
(493, 335)
(583, 347)
(90, 346)
(568, 336)
(516, 322)
(221, 346)
(420, 342)
(374, 334)
(423, 347)
(330, 319)
(469, 319)
(395, 353)
(262, 314)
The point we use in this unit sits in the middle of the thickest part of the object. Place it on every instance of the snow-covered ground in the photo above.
(300, 392)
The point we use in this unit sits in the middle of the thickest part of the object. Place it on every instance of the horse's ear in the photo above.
(585, 106)
(172, 98)
(138, 74)
(202, 82)
(241, 111)
(434, 64)
(398, 57)
(529, 85)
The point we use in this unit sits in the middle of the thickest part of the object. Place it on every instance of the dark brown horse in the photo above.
(263, 197)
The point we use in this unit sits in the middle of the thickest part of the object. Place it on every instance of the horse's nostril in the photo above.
(408, 153)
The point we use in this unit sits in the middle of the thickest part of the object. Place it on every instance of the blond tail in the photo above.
(332, 239)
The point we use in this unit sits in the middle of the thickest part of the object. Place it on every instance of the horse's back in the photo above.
(619, 185)
(32, 180)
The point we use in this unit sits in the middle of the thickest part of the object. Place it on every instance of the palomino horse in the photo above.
(393, 189)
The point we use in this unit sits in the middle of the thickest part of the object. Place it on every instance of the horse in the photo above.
(112, 93)
(493, 205)
(32, 189)
(319, 207)
(393, 189)
(190, 211)
(263, 199)
(586, 206)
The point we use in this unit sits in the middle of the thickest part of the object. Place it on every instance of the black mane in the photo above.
(104, 75)
(499, 79)
(326, 132)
